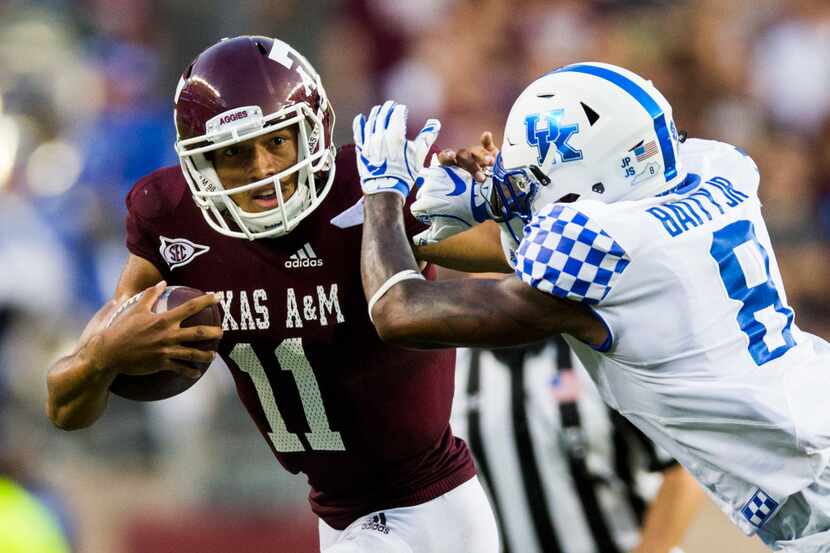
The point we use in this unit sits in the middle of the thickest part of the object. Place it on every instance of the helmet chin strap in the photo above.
(293, 206)
(298, 200)
(205, 167)
(510, 236)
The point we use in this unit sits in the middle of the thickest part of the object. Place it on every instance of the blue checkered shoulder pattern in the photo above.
(759, 508)
(566, 254)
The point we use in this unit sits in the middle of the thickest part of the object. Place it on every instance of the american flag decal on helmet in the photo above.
(645, 151)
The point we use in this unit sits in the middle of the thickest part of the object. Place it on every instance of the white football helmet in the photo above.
(239, 89)
(585, 131)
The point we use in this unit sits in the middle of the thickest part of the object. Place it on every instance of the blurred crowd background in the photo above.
(86, 92)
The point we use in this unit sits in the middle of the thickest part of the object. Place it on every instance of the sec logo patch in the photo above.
(180, 251)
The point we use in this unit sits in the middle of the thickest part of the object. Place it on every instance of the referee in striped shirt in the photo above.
(565, 473)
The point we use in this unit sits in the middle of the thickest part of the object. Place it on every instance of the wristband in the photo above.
(407, 274)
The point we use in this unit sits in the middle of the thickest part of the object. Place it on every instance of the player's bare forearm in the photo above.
(385, 249)
(471, 312)
(671, 513)
(477, 250)
(78, 387)
(78, 384)
(467, 312)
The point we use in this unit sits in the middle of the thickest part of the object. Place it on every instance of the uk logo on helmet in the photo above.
(544, 129)
(180, 251)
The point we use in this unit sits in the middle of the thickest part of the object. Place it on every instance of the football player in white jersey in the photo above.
(651, 255)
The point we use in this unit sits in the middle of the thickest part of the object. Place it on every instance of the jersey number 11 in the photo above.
(291, 357)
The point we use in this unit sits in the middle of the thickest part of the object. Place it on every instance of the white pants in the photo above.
(802, 525)
(459, 521)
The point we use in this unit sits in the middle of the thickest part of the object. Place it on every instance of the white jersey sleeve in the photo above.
(569, 255)
(706, 358)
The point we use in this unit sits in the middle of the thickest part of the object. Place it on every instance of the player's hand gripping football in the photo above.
(386, 160)
(139, 342)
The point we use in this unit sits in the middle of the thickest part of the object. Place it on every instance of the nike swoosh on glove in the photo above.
(450, 201)
(386, 160)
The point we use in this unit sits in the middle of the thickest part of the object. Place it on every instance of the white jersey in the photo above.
(705, 356)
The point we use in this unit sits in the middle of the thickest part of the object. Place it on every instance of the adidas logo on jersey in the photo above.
(378, 523)
(305, 257)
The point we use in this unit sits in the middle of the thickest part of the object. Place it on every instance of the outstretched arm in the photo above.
(477, 250)
(406, 309)
(471, 312)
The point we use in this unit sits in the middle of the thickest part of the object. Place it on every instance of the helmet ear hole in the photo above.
(568, 198)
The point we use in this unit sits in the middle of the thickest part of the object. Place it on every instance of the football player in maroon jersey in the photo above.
(266, 213)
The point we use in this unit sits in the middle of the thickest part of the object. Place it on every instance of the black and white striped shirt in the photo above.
(565, 473)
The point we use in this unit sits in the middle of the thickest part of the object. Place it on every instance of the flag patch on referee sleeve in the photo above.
(759, 508)
(566, 254)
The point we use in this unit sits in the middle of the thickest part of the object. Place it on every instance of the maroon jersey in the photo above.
(365, 421)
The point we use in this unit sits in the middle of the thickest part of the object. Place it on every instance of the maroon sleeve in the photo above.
(152, 198)
(140, 241)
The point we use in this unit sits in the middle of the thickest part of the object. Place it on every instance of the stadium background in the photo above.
(85, 109)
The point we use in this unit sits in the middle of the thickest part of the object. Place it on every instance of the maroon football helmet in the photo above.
(241, 88)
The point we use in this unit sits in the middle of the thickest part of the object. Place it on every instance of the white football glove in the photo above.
(386, 160)
(450, 201)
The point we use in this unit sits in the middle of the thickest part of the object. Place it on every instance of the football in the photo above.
(165, 384)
